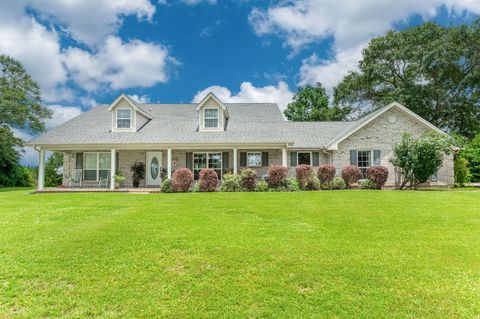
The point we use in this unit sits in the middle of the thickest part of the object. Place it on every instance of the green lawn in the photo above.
(366, 254)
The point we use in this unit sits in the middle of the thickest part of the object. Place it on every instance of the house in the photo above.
(223, 136)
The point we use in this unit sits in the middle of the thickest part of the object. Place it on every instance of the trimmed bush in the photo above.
(338, 183)
(368, 184)
(351, 174)
(262, 186)
(208, 180)
(182, 179)
(196, 187)
(378, 175)
(231, 183)
(326, 173)
(290, 185)
(315, 185)
(304, 175)
(248, 179)
(166, 186)
(277, 176)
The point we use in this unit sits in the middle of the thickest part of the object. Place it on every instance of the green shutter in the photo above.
(79, 160)
(243, 159)
(117, 163)
(225, 165)
(188, 160)
(315, 158)
(264, 158)
(293, 158)
(376, 157)
(353, 157)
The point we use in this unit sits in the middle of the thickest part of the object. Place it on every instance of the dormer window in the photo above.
(124, 118)
(211, 118)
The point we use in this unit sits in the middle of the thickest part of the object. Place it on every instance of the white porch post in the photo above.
(169, 163)
(284, 157)
(113, 168)
(235, 161)
(41, 169)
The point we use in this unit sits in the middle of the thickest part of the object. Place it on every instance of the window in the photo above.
(304, 158)
(124, 118)
(254, 159)
(207, 160)
(211, 118)
(96, 165)
(364, 161)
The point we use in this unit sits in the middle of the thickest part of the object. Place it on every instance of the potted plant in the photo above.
(118, 180)
(138, 170)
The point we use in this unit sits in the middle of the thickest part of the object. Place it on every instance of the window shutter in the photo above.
(117, 163)
(376, 157)
(188, 160)
(293, 158)
(79, 160)
(315, 158)
(264, 158)
(225, 165)
(353, 157)
(243, 159)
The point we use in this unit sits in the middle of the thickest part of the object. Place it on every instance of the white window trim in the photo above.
(311, 159)
(133, 120)
(216, 128)
(207, 153)
(98, 166)
(255, 152)
(371, 158)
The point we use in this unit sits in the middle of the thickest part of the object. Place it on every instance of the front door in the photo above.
(154, 166)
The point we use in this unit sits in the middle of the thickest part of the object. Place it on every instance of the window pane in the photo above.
(304, 158)
(211, 122)
(102, 173)
(215, 160)
(123, 114)
(123, 123)
(254, 159)
(91, 175)
(91, 161)
(104, 161)
(199, 162)
(364, 162)
(211, 113)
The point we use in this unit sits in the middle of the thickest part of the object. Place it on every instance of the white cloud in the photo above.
(89, 22)
(141, 98)
(119, 65)
(279, 94)
(351, 24)
(61, 114)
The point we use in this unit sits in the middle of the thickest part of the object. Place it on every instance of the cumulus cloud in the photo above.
(141, 98)
(350, 23)
(279, 94)
(119, 65)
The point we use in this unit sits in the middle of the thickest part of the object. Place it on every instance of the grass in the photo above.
(364, 254)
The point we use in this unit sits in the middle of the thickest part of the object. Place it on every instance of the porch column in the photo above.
(113, 169)
(169, 163)
(41, 169)
(284, 157)
(235, 161)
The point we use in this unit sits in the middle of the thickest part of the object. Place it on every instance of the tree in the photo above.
(431, 69)
(471, 152)
(311, 104)
(20, 108)
(420, 158)
(53, 169)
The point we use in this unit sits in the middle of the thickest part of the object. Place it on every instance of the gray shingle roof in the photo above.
(178, 123)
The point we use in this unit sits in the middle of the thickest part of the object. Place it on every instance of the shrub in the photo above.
(166, 186)
(338, 183)
(368, 184)
(208, 180)
(196, 187)
(378, 175)
(138, 170)
(304, 175)
(326, 173)
(277, 176)
(230, 183)
(248, 179)
(462, 171)
(290, 185)
(182, 179)
(262, 186)
(315, 185)
(351, 174)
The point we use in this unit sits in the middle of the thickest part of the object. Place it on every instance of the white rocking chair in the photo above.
(104, 181)
(76, 178)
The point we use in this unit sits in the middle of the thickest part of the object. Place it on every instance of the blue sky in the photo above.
(87, 52)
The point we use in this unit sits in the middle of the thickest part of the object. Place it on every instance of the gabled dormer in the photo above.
(212, 114)
(127, 116)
